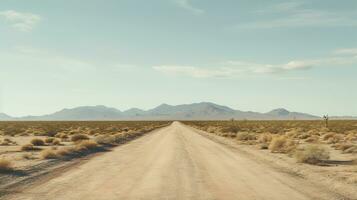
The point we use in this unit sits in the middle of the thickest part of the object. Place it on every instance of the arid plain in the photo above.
(179, 160)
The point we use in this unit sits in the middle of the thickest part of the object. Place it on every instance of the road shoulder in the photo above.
(288, 166)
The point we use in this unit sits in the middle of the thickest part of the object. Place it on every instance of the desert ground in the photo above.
(180, 161)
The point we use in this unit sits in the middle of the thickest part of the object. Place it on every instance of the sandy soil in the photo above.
(174, 163)
(16, 155)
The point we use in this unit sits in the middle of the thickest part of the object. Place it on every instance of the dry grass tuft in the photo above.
(49, 140)
(87, 145)
(29, 147)
(245, 136)
(37, 142)
(327, 136)
(230, 129)
(49, 154)
(5, 165)
(79, 137)
(312, 139)
(263, 146)
(312, 154)
(304, 136)
(105, 139)
(56, 142)
(7, 142)
(66, 151)
(265, 138)
(281, 144)
(61, 135)
(28, 156)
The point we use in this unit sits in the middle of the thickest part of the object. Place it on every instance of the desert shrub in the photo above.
(265, 138)
(50, 133)
(281, 144)
(336, 138)
(351, 137)
(61, 135)
(27, 156)
(49, 154)
(45, 133)
(37, 142)
(245, 136)
(7, 141)
(79, 137)
(29, 147)
(228, 134)
(5, 165)
(120, 137)
(230, 129)
(105, 139)
(304, 136)
(87, 145)
(12, 131)
(3, 143)
(327, 136)
(312, 139)
(263, 146)
(49, 140)
(56, 142)
(314, 132)
(292, 133)
(211, 129)
(312, 154)
(92, 132)
(66, 151)
(25, 134)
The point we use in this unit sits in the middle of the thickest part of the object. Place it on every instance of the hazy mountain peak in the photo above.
(217, 106)
(163, 105)
(4, 116)
(279, 111)
(162, 109)
(100, 106)
(134, 112)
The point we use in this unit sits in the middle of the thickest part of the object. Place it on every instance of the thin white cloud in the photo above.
(271, 68)
(286, 6)
(54, 64)
(195, 72)
(186, 4)
(352, 51)
(297, 65)
(232, 69)
(21, 21)
(293, 78)
(295, 15)
(281, 7)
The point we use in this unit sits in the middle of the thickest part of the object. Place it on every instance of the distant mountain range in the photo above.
(5, 117)
(195, 111)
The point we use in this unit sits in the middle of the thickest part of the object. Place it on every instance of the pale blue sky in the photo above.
(247, 54)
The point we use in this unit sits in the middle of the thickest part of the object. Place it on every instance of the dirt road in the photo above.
(172, 163)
